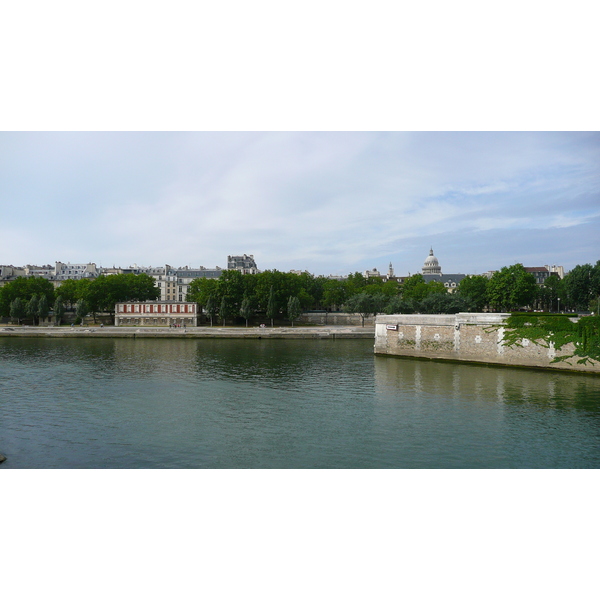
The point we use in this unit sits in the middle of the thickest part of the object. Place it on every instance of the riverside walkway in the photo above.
(298, 332)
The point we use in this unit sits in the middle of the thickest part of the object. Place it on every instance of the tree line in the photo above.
(276, 295)
(513, 288)
(510, 289)
(34, 297)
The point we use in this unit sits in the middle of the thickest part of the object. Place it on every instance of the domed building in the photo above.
(431, 266)
(433, 272)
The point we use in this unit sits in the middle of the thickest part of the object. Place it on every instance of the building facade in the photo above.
(157, 313)
(245, 264)
(63, 271)
(542, 273)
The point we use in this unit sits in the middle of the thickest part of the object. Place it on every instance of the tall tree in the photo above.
(363, 304)
(81, 310)
(17, 310)
(550, 292)
(271, 306)
(246, 309)
(415, 288)
(511, 288)
(59, 310)
(211, 309)
(231, 284)
(70, 291)
(294, 310)
(474, 287)
(201, 289)
(24, 288)
(397, 305)
(579, 289)
(32, 308)
(355, 282)
(443, 304)
(224, 310)
(43, 308)
(334, 294)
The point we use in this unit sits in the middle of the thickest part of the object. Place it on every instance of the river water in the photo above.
(222, 403)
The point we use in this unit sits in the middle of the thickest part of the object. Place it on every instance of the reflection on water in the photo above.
(509, 385)
(124, 403)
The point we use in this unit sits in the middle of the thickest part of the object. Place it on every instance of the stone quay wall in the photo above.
(335, 318)
(472, 337)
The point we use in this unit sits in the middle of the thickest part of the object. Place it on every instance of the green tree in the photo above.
(211, 309)
(398, 306)
(70, 290)
(32, 308)
(415, 288)
(474, 287)
(595, 303)
(104, 292)
(294, 310)
(390, 289)
(43, 308)
(550, 292)
(24, 288)
(363, 304)
(356, 282)
(81, 310)
(59, 310)
(579, 287)
(201, 289)
(271, 306)
(224, 310)
(17, 310)
(246, 310)
(334, 294)
(443, 304)
(139, 288)
(511, 288)
(231, 284)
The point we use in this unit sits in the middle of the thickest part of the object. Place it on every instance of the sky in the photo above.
(326, 202)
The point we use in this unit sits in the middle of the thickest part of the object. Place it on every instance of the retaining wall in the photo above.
(473, 337)
(335, 318)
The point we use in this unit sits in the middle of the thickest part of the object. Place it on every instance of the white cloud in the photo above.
(321, 201)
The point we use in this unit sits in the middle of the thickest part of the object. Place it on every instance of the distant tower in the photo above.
(431, 266)
(390, 271)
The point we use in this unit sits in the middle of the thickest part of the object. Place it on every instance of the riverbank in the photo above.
(312, 332)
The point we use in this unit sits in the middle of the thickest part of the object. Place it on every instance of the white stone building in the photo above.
(245, 264)
(63, 271)
(10, 273)
(432, 265)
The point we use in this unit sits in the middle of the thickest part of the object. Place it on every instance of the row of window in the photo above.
(157, 308)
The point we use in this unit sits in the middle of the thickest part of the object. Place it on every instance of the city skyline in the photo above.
(329, 203)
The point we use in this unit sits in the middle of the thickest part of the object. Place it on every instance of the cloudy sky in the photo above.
(326, 202)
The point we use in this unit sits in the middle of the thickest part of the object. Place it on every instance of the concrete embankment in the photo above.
(329, 332)
(469, 337)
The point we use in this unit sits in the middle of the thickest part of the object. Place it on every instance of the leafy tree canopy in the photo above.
(24, 288)
(474, 288)
(511, 288)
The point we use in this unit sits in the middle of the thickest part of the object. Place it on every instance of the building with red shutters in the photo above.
(156, 313)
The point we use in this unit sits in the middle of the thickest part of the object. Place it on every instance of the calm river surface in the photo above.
(218, 403)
